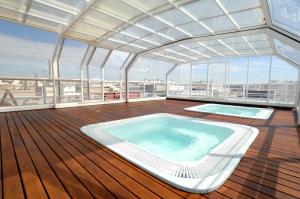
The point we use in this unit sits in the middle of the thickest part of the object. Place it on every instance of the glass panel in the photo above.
(25, 51)
(219, 24)
(148, 5)
(237, 78)
(249, 18)
(93, 16)
(75, 34)
(184, 79)
(71, 58)
(122, 37)
(44, 23)
(117, 7)
(173, 33)
(89, 29)
(173, 82)
(156, 38)
(12, 9)
(138, 32)
(153, 23)
(217, 79)
(258, 79)
(96, 62)
(40, 9)
(147, 78)
(284, 79)
(25, 92)
(180, 18)
(68, 91)
(199, 80)
(287, 51)
(286, 14)
(194, 28)
(199, 9)
(142, 45)
(233, 5)
(112, 67)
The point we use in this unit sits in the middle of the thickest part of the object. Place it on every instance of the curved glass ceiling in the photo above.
(138, 26)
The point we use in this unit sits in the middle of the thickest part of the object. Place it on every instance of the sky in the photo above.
(26, 51)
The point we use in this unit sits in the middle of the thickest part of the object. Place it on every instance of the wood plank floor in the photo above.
(44, 155)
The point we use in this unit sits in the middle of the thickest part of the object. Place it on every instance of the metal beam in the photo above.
(288, 61)
(266, 11)
(28, 7)
(240, 33)
(55, 57)
(127, 69)
(55, 65)
(83, 66)
(126, 61)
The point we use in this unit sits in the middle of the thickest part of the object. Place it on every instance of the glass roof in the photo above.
(286, 14)
(138, 26)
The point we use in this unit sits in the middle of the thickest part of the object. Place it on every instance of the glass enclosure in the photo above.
(260, 79)
(81, 51)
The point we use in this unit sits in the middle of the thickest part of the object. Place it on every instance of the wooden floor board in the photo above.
(44, 155)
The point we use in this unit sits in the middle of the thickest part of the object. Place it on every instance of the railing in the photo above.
(17, 91)
(144, 89)
(273, 93)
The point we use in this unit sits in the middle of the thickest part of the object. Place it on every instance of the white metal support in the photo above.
(247, 80)
(266, 11)
(207, 80)
(269, 80)
(228, 77)
(122, 73)
(127, 69)
(102, 72)
(28, 7)
(55, 66)
(167, 74)
(84, 67)
(297, 100)
(190, 93)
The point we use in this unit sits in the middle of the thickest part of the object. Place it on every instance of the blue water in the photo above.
(174, 139)
(232, 110)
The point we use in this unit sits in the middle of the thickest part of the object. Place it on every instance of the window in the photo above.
(237, 77)
(147, 78)
(184, 79)
(217, 79)
(173, 82)
(199, 80)
(71, 58)
(286, 14)
(96, 62)
(283, 82)
(25, 51)
(113, 65)
(287, 51)
(258, 78)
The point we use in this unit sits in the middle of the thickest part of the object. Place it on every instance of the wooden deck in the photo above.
(44, 155)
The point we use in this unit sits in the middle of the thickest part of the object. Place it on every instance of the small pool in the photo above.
(191, 154)
(237, 111)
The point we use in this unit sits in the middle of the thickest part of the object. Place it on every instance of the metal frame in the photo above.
(102, 72)
(127, 69)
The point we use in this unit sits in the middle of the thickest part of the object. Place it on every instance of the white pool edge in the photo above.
(264, 114)
(196, 185)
